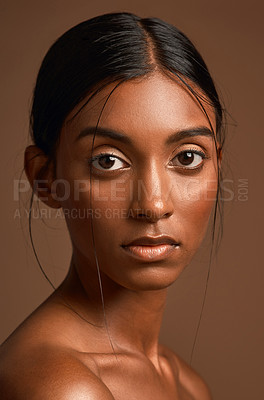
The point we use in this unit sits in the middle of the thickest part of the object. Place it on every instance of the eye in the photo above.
(189, 159)
(107, 162)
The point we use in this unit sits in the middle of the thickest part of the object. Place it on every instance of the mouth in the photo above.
(151, 248)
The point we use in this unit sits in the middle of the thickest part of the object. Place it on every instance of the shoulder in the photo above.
(48, 374)
(188, 378)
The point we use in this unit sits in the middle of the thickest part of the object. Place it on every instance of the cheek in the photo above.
(74, 196)
(194, 200)
(105, 205)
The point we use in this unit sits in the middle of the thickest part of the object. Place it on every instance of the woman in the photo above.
(126, 125)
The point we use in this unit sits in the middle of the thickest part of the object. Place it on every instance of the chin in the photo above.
(151, 278)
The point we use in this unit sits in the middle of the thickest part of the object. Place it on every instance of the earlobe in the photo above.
(40, 173)
(219, 154)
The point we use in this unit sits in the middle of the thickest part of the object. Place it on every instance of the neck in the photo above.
(133, 317)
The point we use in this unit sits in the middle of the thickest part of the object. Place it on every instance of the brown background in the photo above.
(229, 34)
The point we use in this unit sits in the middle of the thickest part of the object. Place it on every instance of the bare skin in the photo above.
(65, 350)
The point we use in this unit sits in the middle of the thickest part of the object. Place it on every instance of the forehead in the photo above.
(154, 104)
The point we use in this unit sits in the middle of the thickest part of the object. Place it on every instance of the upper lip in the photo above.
(152, 241)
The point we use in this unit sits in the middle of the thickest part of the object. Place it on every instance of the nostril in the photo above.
(149, 214)
(167, 214)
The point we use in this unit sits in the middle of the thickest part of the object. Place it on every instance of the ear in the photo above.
(40, 172)
(219, 154)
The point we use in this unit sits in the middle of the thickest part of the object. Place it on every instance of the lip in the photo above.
(152, 241)
(150, 248)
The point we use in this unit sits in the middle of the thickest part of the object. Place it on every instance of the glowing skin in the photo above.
(145, 175)
(159, 179)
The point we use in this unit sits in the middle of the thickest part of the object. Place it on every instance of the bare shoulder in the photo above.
(48, 374)
(188, 378)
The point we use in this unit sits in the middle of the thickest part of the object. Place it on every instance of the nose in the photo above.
(152, 197)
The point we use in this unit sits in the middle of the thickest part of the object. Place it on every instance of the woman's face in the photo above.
(154, 173)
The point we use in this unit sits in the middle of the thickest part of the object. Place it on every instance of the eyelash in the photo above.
(101, 155)
(193, 151)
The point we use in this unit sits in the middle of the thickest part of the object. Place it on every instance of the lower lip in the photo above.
(151, 253)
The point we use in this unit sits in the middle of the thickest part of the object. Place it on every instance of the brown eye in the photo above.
(109, 162)
(191, 159)
(186, 158)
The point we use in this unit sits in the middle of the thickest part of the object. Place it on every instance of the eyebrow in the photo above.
(174, 137)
